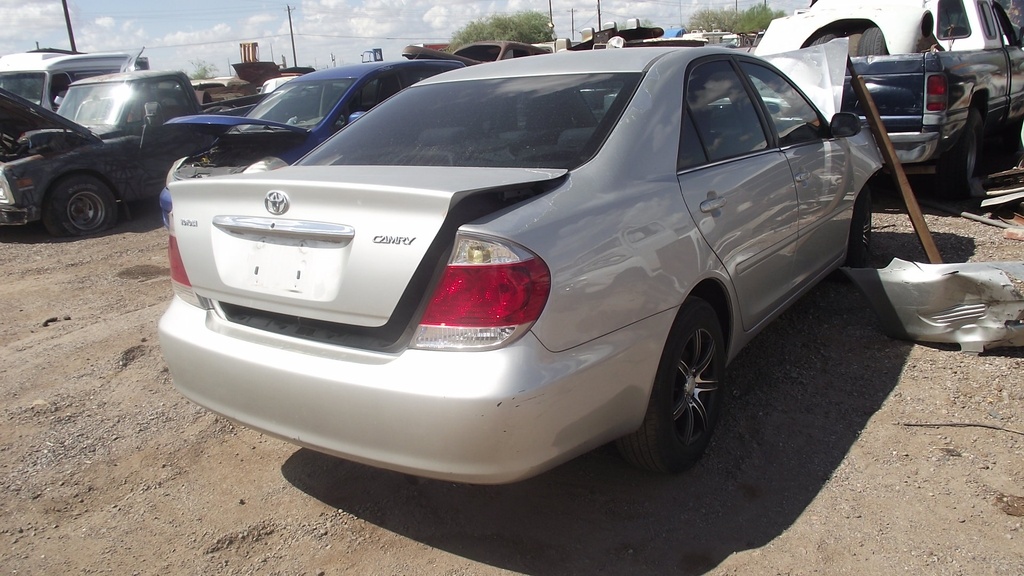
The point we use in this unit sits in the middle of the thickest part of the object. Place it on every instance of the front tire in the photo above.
(79, 205)
(858, 247)
(957, 166)
(687, 395)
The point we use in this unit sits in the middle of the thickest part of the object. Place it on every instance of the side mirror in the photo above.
(355, 116)
(844, 124)
(154, 115)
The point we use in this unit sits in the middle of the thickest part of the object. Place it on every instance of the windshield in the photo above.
(299, 103)
(28, 85)
(95, 105)
(531, 122)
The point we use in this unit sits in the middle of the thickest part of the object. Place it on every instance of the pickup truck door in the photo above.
(821, 170)
(1015, 61)
(739, 189)
(160, 145)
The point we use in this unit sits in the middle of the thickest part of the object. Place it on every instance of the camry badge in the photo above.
(276, 202)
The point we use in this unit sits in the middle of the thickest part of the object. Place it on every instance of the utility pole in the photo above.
(295, 61)
(551, 20)
(67, 20)
(598, 14)
(572, 23)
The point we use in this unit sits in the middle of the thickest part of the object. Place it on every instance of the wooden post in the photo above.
(867, 103)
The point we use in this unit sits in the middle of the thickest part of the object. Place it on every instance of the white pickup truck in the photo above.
(943, 74)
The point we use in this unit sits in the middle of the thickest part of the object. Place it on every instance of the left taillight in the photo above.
(491, 292)
(936, 92)
(179, 278)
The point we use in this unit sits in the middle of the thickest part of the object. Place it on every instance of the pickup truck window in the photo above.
(953, 20)
(28, 85)
(986, 20)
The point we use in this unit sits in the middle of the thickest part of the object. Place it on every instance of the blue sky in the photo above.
(177, 34)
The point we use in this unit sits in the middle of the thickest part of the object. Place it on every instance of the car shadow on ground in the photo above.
(133, 218)
(789, 424)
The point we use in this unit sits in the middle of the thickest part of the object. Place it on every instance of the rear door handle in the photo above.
(712, 204)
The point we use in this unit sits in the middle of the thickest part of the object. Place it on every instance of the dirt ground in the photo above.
(105, 468)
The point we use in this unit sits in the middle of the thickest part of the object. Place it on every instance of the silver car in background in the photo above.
(508, 265)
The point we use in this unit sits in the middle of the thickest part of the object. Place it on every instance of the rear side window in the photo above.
(531, 122)
(691, 151)
(953, 20)
(723, 112)
(987, 21)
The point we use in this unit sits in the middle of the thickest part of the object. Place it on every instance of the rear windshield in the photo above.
(531, 122)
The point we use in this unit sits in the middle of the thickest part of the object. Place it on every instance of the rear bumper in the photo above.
(479, 417)
(915, 147)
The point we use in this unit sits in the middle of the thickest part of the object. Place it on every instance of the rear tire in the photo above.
(858, 247)
(687, 395)
(957, 166)
(823, 39)
(79, 205)
(872, 43)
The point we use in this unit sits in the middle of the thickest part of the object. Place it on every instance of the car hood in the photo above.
(218, 124)
(351, 245)
(18, 116)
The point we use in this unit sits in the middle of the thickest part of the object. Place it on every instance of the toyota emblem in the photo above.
(276, 202)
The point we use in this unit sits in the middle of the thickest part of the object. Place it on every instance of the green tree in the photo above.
(756, 18)
(708, 19)
(530, 27)
(201, 69)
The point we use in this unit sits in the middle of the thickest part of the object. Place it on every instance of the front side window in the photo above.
(723, 112)
(530, 122)
(795, 119)
(96, 106)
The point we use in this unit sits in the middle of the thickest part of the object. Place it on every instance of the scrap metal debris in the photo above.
(978, 305)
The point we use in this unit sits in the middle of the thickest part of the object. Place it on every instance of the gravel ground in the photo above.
(105, 468)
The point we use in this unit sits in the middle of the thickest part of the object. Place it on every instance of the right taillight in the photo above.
(936, 93)
(490, 292)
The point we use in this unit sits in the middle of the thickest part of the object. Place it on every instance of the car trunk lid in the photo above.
(340, 244)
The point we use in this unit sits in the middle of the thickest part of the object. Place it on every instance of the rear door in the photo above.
(738, 187)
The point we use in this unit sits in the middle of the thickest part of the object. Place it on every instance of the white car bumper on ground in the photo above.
(479, 417)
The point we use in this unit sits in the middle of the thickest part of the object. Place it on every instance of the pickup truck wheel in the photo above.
(872, 43)
(858, 247)
(957, 166)
(687, 395)
(78, 206)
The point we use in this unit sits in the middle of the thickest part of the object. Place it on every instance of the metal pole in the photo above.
(598, 14)
(295, 61)
(67, 20)
(551, 20)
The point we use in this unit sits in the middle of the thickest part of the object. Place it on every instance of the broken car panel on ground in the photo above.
(977, 305)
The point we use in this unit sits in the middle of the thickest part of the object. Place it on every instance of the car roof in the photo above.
(581, 62)
(360, 70)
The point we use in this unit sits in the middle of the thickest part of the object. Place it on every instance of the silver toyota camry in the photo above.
(508, 265)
